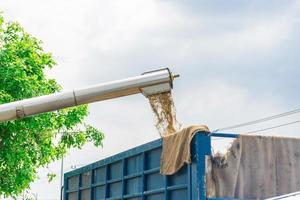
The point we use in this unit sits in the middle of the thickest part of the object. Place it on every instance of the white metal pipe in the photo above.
(148, 83)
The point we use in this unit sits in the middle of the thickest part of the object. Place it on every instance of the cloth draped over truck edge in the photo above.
(255, 167)
(176, 149)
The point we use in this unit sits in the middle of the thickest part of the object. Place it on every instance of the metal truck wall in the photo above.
(134, 175)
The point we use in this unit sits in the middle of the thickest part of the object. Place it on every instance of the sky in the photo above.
(238, 61)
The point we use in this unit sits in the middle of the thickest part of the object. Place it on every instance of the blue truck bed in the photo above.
(134, 175)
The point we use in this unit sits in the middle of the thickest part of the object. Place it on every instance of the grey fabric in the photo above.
(255, 167)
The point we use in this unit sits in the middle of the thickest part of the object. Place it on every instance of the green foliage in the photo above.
(33, 142)
(51, 176)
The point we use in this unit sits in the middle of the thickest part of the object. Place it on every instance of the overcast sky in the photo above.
(238, 61)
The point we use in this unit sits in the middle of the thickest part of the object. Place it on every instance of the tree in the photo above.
(33, 142)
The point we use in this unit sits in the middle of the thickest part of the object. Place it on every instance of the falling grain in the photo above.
(164, 109)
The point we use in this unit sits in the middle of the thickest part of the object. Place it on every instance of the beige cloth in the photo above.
(176, 149)
(256, 167)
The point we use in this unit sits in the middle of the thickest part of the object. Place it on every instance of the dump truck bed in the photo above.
(134, 175)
